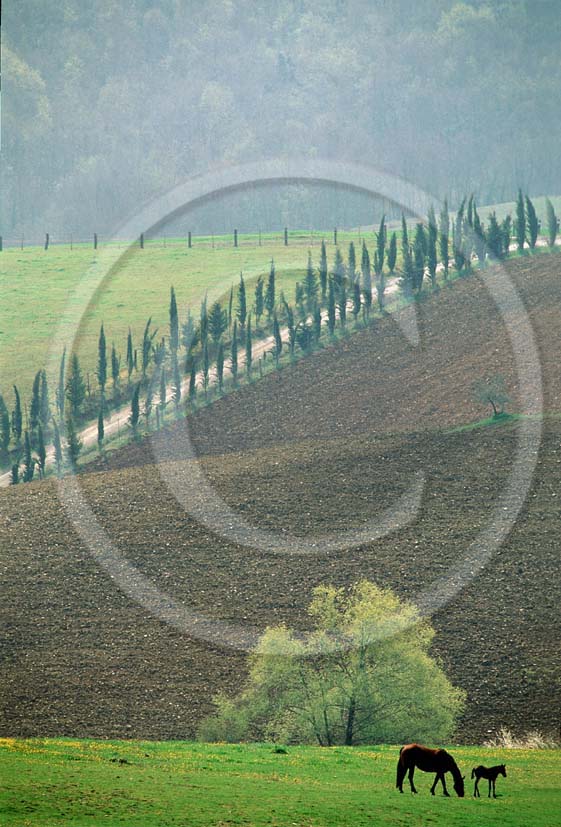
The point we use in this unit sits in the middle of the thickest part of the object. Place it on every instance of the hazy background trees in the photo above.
(106, 104)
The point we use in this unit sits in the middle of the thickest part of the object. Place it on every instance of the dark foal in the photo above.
(428, 760)
(491, 774)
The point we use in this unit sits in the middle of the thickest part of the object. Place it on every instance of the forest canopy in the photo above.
(107, 104)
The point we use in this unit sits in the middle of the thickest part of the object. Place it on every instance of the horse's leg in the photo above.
(432, 789)
(494, 793)
(443, 779)
(476, 793)
(489, 794)
(401, 770)
(411, 774)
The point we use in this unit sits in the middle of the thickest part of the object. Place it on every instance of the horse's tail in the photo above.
(473, 773)
(401, 770)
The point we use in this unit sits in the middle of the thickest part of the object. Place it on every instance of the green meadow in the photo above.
(39, 285)
(81, 782)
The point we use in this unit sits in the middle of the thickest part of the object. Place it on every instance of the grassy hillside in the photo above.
(323, 446)
(57, 782)
(37, 284)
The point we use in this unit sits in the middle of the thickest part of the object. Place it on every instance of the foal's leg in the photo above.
(489, 796)
(494, 793)
(411, 774)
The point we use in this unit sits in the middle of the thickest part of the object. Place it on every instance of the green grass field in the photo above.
(37, 286)
(70, 782)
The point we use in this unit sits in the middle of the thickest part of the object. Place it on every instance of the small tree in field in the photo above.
(444, 230)
(552, 223)
(363, 675)
(492, 392)
(270, 297)
(323, 271)
(73, 441)
(392, 253)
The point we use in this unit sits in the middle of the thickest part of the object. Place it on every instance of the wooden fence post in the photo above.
(46, 241)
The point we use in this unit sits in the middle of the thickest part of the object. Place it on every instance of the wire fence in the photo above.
(212, 241)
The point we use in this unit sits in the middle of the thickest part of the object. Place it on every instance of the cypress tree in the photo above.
(495, 241)
(304, 338)
(44, 411)
(338, 269)
(217, 322)
(291, 329)
(60, 394)
(457, 239)
(100, 428)
(173, 322)
(35, 406)
(115, 370)
(57, 445)
(444, 228)
(552, 223)
(404, 236)
(130, 355)
(432, 235)
(351, 264)
(75, 387)
(193, 381)
(147, 346)
(248, 348)
(220, 367)
(5, 429)
(533, 223)
(479, 237)
(310, 285)
(203, 321)
(278, 339)
(102, 361)
(357, 300)
(14, 477)
(299, 296)
(163, 391)
(342, 303)
(176, 380)
(189, 337)
(323, 271)
(270, 299)
(234, 355)
(28, 461)
(381, 238)
(259, 305)
(206, 367)
(407, 280)
(41, 451)
(73, 441)
(149, 404)
(419, 247)
(135, 409)
(520, 223)
(392, 253)
(17, 418)
(380, 281)
(366, 281)
(316, 318)
(331, 315)
(242, 303)
(506, 232)
(230, 306)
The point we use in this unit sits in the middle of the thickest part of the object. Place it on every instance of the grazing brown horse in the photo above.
(491, 774)
(428, 760)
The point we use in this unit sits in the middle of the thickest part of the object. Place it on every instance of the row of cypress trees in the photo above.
(221, 339)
